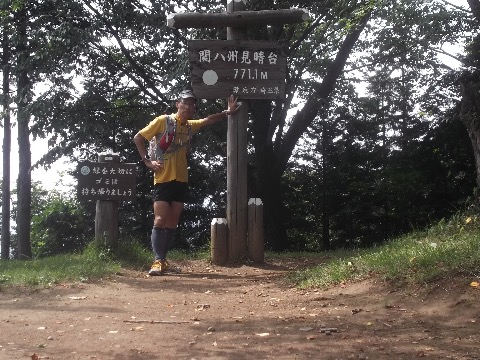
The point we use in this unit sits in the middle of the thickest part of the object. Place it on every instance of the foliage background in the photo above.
(335, 167)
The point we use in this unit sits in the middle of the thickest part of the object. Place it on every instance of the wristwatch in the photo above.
(146, 157)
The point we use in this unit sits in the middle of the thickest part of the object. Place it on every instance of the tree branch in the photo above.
(475, 7)
(306, 116)
(453, 5)
(141, 71)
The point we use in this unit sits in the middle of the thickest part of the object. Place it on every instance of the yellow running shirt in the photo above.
(175, 163)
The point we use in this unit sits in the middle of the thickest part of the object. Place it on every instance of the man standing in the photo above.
(170, 168)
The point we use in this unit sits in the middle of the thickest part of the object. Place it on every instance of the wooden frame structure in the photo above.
(236, 19)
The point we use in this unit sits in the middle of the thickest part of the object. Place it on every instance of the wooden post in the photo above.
(219, 245)
(255, 230)
(106, 216)
(237, 164)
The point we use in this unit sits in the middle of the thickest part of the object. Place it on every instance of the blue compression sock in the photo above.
(159, 243)
(169, 235)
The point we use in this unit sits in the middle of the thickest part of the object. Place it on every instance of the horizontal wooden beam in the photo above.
(238, 19)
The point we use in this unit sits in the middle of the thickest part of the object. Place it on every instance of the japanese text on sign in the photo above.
(106, 181)
(246, 57)
(250, 69)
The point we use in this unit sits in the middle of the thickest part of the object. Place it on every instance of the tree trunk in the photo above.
(470, 116)
(7, 141)
(268, 181)
(24, 181)
(274, 208)
(470, 105)
(272, 163)
(325, 184)
(326, 245)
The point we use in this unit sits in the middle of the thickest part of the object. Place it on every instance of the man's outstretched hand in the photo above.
(232, 105)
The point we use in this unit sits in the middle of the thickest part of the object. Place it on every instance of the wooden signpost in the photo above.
(250, 70)
(107, 181)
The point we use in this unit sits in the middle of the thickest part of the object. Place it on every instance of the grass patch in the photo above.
(57, 269)
(95, 262)
(446, 249)
(420, 257)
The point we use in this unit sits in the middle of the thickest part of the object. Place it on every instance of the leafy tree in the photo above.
(60, 225)
(133, 69)
(124, 87)
(396, 33)
(350, 189)
(132, 63)
(316, 49)
(43, 50)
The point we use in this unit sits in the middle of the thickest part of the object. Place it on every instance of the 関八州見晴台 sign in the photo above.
(247, 69)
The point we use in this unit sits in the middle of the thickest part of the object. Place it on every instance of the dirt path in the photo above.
(232, 313)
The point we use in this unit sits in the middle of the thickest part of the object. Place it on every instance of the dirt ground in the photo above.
(238, 312)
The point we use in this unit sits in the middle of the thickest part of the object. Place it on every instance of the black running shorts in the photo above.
(170, 191)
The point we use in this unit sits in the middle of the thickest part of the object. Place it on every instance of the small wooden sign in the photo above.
(106, 181)
(247, 69)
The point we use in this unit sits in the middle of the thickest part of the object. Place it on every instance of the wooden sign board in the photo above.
(106, 181)
(247, 69)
